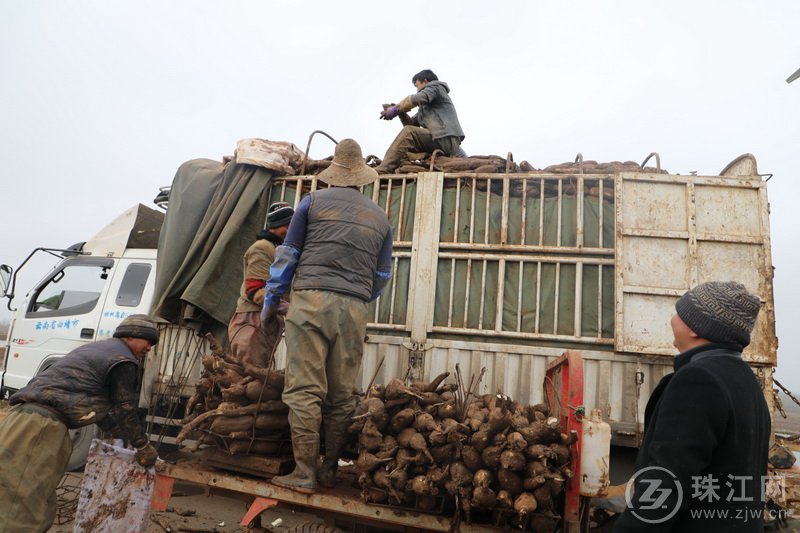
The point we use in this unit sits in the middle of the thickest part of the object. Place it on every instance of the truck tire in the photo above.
(314, 527)
(81, 440)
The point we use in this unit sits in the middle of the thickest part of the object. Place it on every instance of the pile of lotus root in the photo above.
(431, 443)
(493, 164)
(237, 407)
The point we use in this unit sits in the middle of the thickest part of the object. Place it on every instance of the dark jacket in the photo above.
(707, 425)
(256, 262)
(78, 385)
(436, 111)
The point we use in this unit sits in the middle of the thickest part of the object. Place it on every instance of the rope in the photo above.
(270, 366)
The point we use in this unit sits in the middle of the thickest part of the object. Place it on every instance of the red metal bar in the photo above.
(162, 492)
(563, 387)
(258, 506)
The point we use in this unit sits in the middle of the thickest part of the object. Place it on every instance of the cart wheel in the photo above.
(313, 527)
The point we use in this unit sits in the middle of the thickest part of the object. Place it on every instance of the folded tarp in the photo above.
(215, 212)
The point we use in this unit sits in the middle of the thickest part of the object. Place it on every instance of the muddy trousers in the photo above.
(416, 140)
(248, 340)
(324, 343)
(34, 451)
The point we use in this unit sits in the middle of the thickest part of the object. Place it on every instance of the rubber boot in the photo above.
(335, 439)
(304, 477)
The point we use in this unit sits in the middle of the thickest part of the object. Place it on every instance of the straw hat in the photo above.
(348, 167)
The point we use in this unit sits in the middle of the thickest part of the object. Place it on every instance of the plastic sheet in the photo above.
(116, 492)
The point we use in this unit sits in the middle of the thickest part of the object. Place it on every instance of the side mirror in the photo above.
(5, 279)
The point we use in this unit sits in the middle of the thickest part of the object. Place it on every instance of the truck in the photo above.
(92, 287)
(505, 270)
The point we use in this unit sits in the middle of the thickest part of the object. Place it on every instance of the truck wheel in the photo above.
(81, 440)
(313, 527)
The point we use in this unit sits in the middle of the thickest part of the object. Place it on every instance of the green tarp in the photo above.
(214, 214)
(597, 309)
(203, 265)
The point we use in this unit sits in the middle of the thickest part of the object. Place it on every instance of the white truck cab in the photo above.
(82, 299)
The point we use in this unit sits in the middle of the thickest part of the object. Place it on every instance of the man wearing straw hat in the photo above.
(337, 257)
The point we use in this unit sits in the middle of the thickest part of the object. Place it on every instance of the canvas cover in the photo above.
(215, 212)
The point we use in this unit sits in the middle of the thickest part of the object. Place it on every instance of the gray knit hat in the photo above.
(279, 214)
(720, 311)
(138, 327)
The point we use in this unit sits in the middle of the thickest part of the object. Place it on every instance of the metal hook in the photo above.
(308, 146)
(579, 160)
(433, 158)
(658, 161)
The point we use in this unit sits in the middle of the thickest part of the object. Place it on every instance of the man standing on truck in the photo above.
(337, 257)
(93, 384)
(703, 459)
(247, 338)
(434, 126)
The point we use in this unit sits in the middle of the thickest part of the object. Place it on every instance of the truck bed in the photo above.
(343, 502)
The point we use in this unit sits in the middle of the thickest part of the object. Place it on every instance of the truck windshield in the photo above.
(75, 289)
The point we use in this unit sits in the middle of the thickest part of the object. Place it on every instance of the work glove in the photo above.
(146, 455)
(390, 112)
(283, 307)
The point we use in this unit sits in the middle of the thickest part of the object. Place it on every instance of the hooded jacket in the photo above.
(436, 111)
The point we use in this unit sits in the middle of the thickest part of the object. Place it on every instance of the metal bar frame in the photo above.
(323, 501)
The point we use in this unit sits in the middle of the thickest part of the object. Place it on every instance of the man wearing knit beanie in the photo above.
(96, 383)
(250, 342)
(706, 424)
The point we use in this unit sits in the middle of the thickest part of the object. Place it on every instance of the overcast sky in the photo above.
(101, 101)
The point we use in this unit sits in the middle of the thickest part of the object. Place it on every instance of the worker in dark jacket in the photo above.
(93, 384)
(707, 425)
(434, 126)
(337, 257)
(249, 342)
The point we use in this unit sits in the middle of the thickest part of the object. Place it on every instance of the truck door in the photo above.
(130, 293)
(60, 314)
(674, 232)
